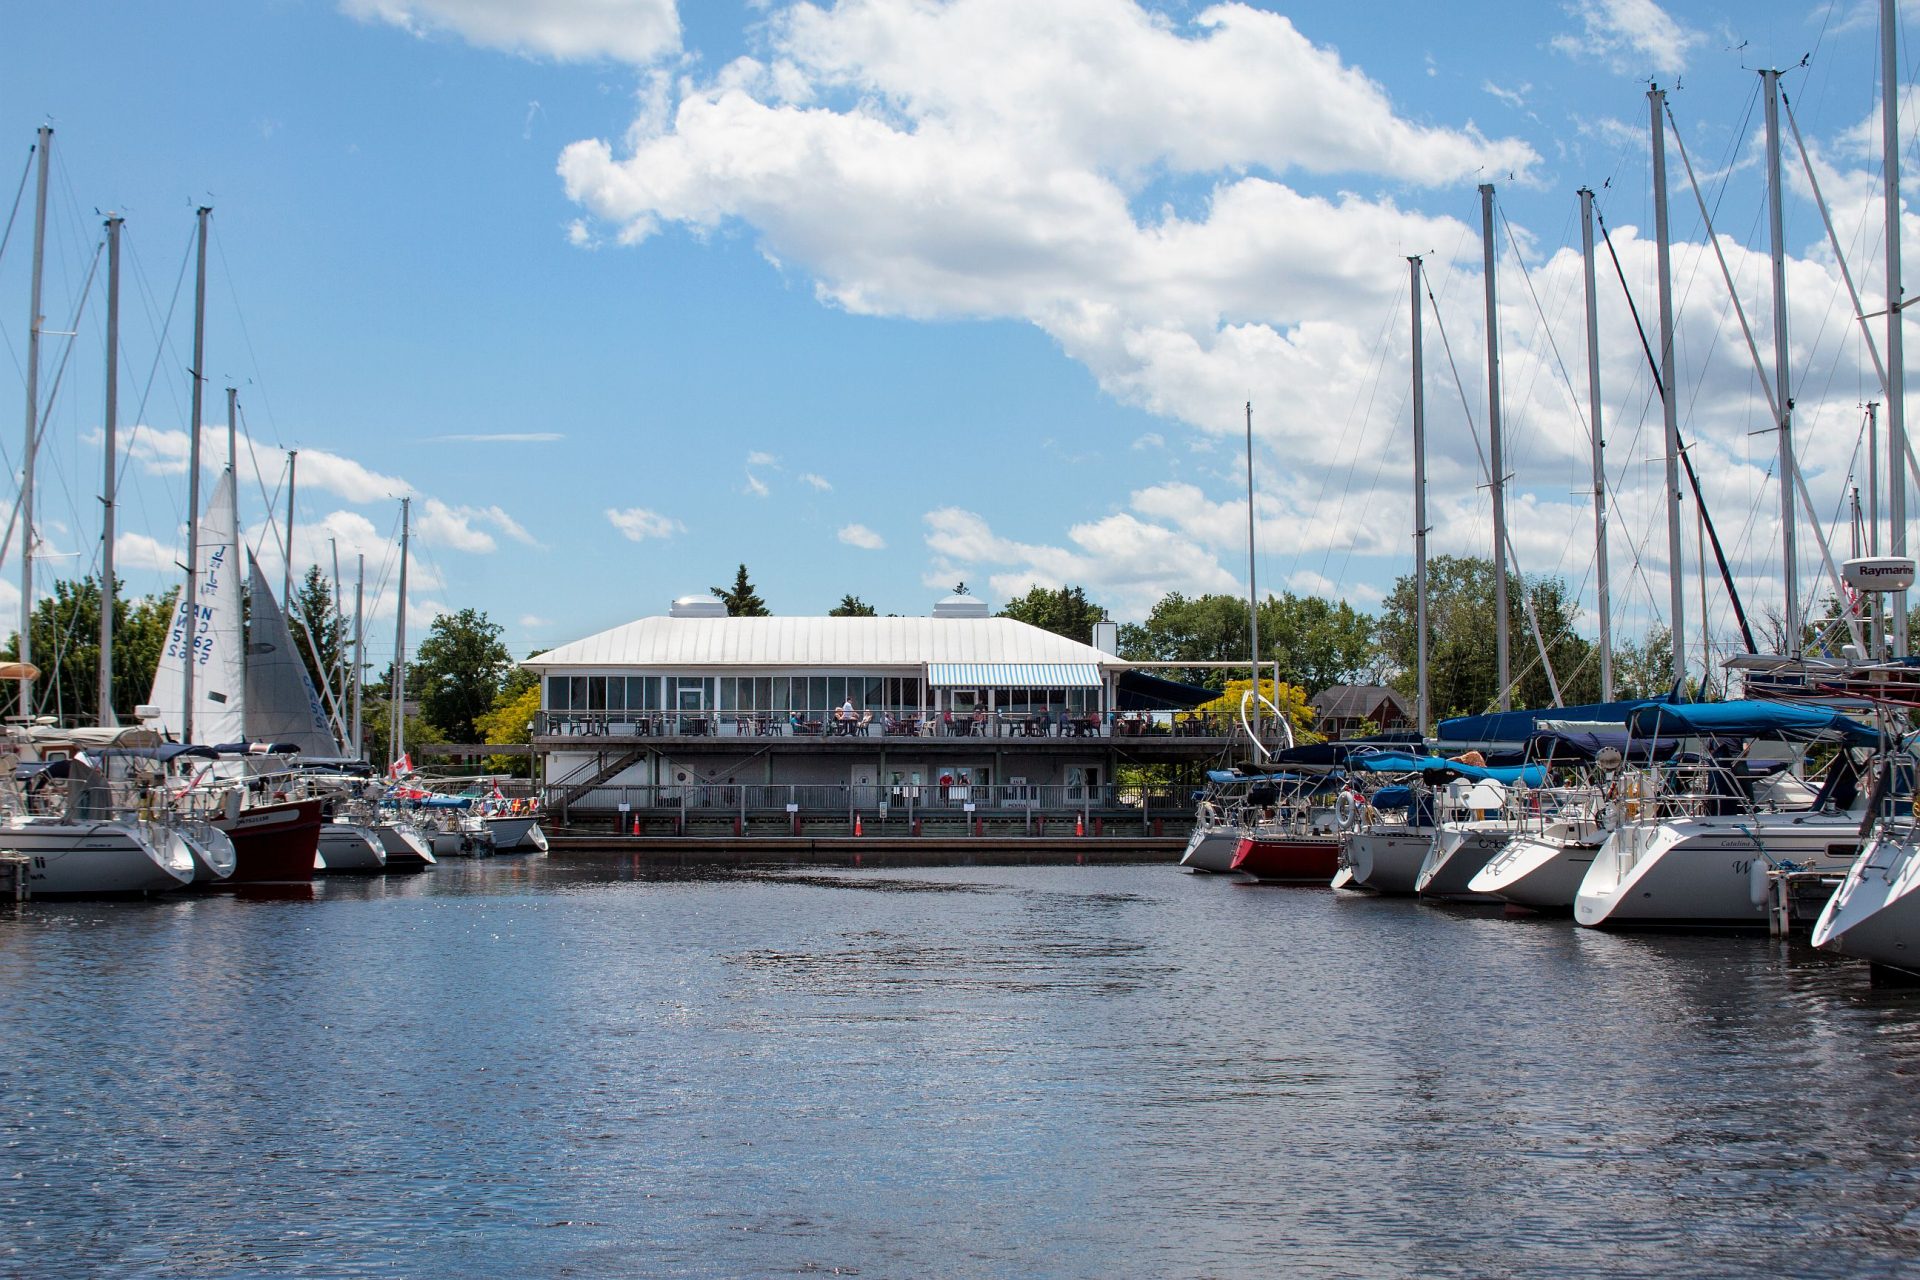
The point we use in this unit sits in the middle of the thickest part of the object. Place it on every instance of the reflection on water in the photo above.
(520, 1067)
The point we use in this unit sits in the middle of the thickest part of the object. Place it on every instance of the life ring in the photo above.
(1346, 810)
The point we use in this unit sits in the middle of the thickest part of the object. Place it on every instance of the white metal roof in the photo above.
(663, 643)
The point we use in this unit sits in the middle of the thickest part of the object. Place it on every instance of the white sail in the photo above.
(282, 705)
(219, 670)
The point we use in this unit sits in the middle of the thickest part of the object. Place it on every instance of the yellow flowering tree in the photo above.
(1291, 699)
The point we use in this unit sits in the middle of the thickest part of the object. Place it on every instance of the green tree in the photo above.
(376, 713)
(742, 601)
(1318, 643)
(851, 607)
(66, 648)
(1208, 628)
(1065, 611)
(321, 634)
(459, 667)
(1462, 668)
(1644, 670)
(510, 721)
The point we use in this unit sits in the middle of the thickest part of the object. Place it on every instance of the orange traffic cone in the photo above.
(1079, 824)
(636, 824)
(858, 829)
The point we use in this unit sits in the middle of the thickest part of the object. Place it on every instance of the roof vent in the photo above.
(698, 607)
(960, 607)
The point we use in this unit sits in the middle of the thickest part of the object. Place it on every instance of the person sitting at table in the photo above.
(980, 722)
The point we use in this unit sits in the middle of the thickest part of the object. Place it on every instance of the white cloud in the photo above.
(893, 151)
(1150, 440)
(756, 486)
(759, 459)
(534, 620)
(818, 482)
(138, 551)
(637, 524)
(637, 31)
(858, 535)
(438, 524)
(1634, 36)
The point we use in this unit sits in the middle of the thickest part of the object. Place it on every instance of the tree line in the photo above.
(1319, 643)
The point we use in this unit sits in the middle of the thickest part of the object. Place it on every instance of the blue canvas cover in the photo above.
(1530, 775)
(1518, 726)
(1751, 719)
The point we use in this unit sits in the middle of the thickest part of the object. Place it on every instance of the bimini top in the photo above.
(1747, 719)
(912, 643)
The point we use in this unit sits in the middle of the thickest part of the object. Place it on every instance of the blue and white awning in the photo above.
(1013, 675)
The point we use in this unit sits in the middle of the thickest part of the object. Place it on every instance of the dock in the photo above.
(866, 851)
(15, 869)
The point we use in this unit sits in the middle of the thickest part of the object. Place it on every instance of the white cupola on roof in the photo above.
(961, 607)
(698, 607)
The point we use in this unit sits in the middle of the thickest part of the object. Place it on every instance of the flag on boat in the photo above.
(402, 767)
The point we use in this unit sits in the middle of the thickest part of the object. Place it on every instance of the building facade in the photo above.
(695, 710)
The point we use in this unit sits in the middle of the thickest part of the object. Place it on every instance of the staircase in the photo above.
(613, 768)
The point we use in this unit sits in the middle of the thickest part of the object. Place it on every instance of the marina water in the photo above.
(531, 1068)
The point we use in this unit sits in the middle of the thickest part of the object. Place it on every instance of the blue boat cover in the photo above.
(1749, 719)
(1530, 775)
(1553, 745)
(1395, 797)
(1518, 726)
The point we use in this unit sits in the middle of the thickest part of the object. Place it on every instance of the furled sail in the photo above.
(281, 703)
(208, 629)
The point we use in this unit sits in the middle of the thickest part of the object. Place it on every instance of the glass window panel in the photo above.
(727, 684)
(596, 693)
(616, 693)
(763, 692)
(578, 697)
(706, 692)
(636, 693)
(836, 690)
(817, 694)
(876, 694)
(557, 690)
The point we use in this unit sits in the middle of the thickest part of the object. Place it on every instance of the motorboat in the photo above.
(1695, 838)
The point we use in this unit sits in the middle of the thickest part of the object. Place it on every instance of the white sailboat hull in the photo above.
(403, 847)
(1458, 853)
(1386, 861)
(1539, 871)
(347, 848)
(515, 832)
(1211, 849)
(1690, 872)
(1875, 914)
(213, 855)
(99, 859)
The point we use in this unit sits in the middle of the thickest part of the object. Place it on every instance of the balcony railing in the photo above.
(905, 801)
(827, 725)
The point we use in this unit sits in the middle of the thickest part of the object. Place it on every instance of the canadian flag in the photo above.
(402, 767)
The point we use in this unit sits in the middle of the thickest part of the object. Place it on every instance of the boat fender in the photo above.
(1346, 810)
(1759, 884)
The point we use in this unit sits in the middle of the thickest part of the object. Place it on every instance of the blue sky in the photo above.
(880, 296)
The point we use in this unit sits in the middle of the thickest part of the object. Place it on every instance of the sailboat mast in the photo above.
(190, 602)
(286, 583)
(110, 428)
(1670, 412)
(1896, 298)
(1872, 544)
(233, 433)
(1603, 600)
(1420, 707)
(1498, 457)
(1781, 373)
(1253, 591)
(44, 151)
(399, 690)
(359, 654)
